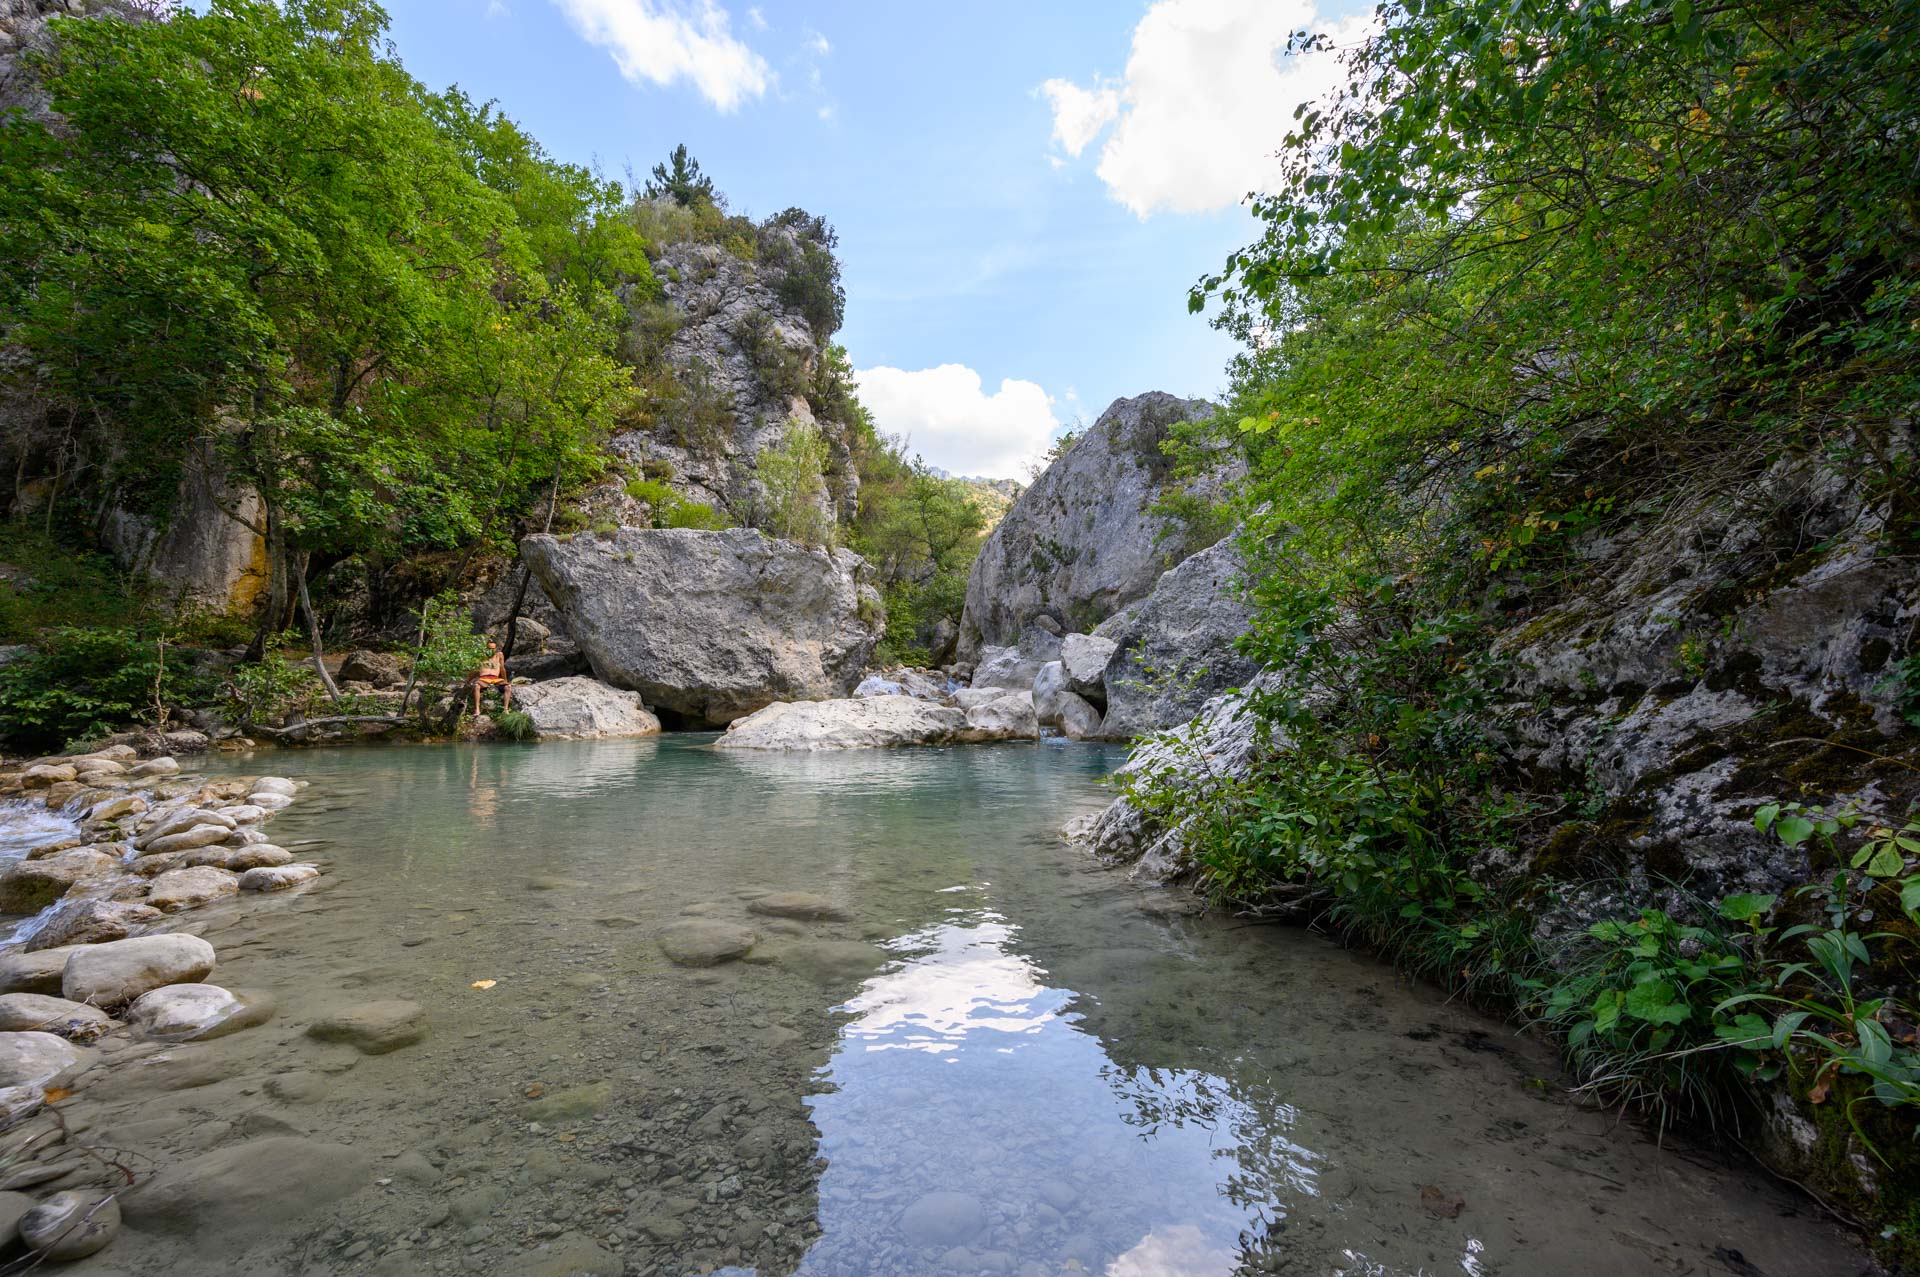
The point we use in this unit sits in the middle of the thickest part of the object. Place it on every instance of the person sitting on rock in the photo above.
(492, 673)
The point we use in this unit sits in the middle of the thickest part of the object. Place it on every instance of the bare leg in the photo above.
(476, 700)
(506, 697)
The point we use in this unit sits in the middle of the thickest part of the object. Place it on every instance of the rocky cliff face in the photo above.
(711, 626)
(1085, 540)
(1173, 651)
(742, 362)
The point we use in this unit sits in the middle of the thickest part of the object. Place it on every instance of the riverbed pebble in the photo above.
(278, 877)
(71, 1225)
(797, 904)
(112, 974)
(164, 765)
(245, 813)
(275, 785)
(269, 801)
(705, 942)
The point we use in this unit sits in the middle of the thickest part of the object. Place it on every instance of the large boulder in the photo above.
(711, 626)
(1084, 658)
(1057, 705)
(866, 722)
(382, 669)
(91, 922)
(29, 886)
(584, 709)
(1085, 539)
(113, 974)
(1177, 651)
(1018, 665)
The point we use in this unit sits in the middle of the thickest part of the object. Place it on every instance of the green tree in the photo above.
(679, 177)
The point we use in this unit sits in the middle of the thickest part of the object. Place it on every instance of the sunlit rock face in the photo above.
(711, 626)
(1085, 539)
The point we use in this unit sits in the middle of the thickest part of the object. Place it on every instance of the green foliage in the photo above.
(272, 688)
(47, 582)
(679, 178)
(671, 510)
(516, 725)
(391, 311)
(448, 650)
(797, 248)
(794, 477)
(83, 682)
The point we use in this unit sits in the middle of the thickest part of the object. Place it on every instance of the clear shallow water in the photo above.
(1004, 1060)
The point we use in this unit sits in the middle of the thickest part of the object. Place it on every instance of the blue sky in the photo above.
(1024, 192)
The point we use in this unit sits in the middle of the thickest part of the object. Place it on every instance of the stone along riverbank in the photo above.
(646, 1007)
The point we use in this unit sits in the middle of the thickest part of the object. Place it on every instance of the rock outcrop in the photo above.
(584, 709)
(1085, 539)
(1175, 650)
(743, 359)
(711, 626)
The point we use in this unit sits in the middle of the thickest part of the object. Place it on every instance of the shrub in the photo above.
(51, 583)
(515, 724)
(267, 690)
(794, 477)
(82, 682)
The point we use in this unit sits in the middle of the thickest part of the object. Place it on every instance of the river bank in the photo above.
(973, 1051)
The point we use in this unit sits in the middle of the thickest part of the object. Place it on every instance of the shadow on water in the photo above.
(993, 1058)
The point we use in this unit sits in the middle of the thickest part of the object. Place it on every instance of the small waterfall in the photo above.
(26, 823)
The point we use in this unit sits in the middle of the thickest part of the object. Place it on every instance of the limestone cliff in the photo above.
(1088, 537)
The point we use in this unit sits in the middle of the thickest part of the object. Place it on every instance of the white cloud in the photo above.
(756, 19)
(949, 419)
(1079, 114)
(666, 41)
(817, 43)
(1208, 96)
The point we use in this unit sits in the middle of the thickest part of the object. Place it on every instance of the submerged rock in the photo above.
(712, 625)
(187, 1012)
(797, 904)
(244, 1190)
(703, 942)
(278, 877)
(31, 1058)
(71, 1225)
(584, 709)
(373, 1028)
(943, 1219)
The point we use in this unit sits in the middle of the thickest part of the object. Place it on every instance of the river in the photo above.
(1002, 1059)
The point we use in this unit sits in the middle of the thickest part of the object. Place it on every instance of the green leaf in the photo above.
(1887, 862)
(1794, 830)
(1653, 1002)
(1746, 906)
(1764, 818)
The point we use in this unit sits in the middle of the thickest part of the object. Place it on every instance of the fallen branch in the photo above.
(300, 729)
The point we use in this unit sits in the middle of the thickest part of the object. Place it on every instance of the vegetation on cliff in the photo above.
(1544, 275)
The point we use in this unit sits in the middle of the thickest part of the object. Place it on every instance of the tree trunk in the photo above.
(313, 632)
(273, 615)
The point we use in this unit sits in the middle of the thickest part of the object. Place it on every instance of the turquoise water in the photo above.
(1001, 1060)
